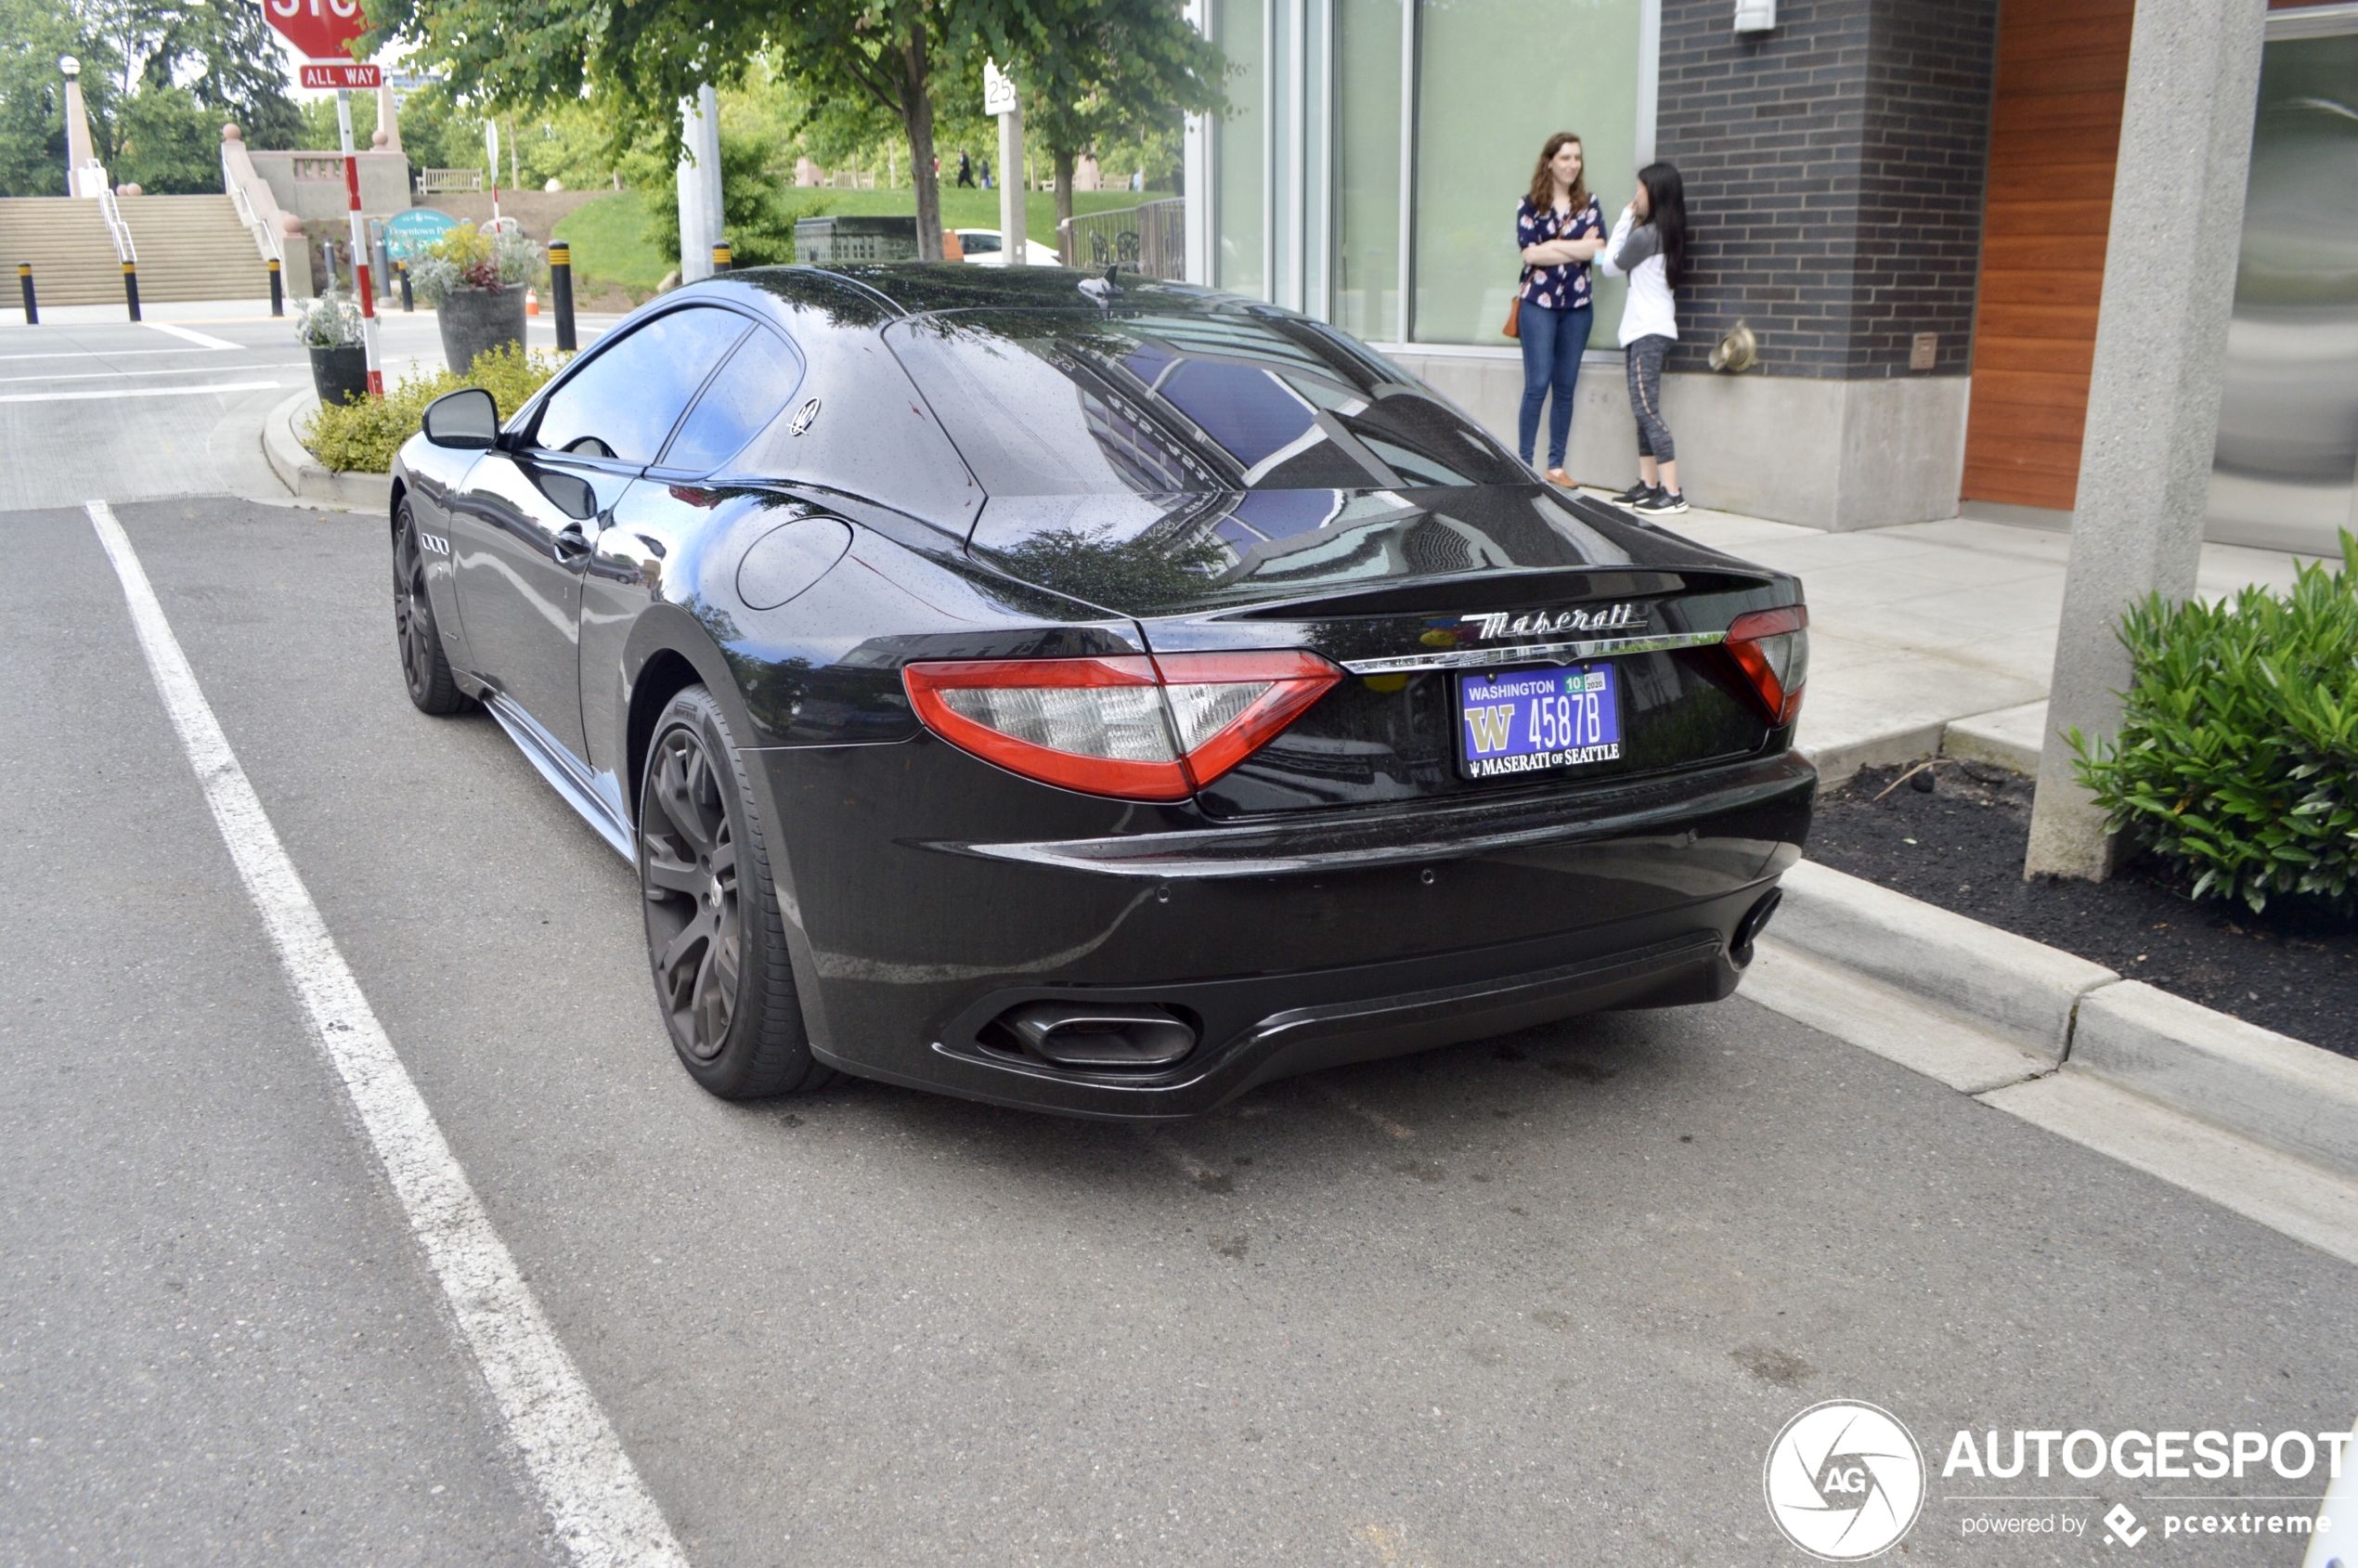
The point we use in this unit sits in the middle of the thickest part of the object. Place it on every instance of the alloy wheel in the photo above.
(412, 613)
(688, 868)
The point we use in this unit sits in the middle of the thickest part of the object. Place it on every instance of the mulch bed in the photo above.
(1961, 844)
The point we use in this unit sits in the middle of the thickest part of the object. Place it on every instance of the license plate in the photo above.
(1515, 722)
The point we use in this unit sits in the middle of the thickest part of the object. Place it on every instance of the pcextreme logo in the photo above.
(1844, 1481)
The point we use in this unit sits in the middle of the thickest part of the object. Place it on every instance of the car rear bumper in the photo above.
(1289, 947)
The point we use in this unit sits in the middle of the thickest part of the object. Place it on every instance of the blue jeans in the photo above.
(1553, 341)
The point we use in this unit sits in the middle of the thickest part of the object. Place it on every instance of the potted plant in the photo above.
(330, 327)
(475, 283)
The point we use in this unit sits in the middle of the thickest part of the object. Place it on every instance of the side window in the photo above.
(625, 401)
(748, 393)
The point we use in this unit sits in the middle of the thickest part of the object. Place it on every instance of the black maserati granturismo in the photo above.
(1095, 694)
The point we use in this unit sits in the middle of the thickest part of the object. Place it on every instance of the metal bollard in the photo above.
(560, 292)
(131, 288)
(278, 289)
(24, 280)
(408, 302)
(720, 257)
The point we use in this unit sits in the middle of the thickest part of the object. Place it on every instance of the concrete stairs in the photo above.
(190, 248)
(193, 248)
(65, 239)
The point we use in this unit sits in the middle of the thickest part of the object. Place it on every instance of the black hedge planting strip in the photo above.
(1960, 845)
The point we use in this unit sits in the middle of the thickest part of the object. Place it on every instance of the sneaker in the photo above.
(1636, 493)
(1662, 503)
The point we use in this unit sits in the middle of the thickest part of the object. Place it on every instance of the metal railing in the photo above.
(449, 182)
(1152, 237)
(117, 230)
(272, 250)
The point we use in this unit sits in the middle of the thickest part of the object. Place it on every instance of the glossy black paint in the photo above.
(1341, 894)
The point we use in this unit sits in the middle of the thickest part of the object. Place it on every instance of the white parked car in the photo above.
(983, 249)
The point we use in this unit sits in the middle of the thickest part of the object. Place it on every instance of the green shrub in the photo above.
(361, 437)
(2237, 757)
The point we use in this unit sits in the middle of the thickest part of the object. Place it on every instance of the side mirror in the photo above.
(467, 420)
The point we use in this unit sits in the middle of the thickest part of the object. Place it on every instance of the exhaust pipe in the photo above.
(1756, 919)
(1076, 1034)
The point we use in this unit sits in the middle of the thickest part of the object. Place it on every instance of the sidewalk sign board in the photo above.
(407, 233)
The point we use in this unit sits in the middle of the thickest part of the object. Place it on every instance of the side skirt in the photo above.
(565, 771)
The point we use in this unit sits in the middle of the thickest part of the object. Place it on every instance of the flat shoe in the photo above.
(1558, 476)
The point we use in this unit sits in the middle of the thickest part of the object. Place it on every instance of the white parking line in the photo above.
(601, 1511)
(202, 340)
(133, 392)
(172, 370)
(100, 352)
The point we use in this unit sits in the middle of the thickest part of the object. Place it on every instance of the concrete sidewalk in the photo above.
(1934, 633)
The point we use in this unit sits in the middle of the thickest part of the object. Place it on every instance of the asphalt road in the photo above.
(135, 410)
(1543, 1299)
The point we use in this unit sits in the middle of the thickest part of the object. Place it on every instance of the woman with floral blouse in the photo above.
(1558, 228)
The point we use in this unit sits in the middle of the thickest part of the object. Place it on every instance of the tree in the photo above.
(1110, 70)
(645, 59)
(33, 136)
(221, 53)
(168, 144)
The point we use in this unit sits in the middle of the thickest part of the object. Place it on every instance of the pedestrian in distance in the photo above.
(966, 170)
(986, 174)
(1649, 247)
(1558, 228)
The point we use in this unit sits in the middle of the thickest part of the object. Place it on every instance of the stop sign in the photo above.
(320, 28)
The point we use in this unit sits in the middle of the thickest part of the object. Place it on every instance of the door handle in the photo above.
(571, 542)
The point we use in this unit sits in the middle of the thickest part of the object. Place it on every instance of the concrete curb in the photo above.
(1954, 999)
(2279, 1091)
(302, 474)
(2024, 989)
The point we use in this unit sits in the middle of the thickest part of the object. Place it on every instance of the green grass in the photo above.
(609, 243)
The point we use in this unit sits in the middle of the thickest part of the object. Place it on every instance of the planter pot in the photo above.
(476, 320)
(341, 375)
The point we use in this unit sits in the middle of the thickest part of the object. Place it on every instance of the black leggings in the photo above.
(1644, 359)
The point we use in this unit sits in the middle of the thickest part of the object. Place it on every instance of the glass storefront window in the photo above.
(1238, 144)
(1494, 78)
(1366, 302)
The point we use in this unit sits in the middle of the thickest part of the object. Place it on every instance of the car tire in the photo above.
(716, 941)
(425, 671)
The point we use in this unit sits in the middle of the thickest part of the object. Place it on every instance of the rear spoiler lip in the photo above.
(1540, 652)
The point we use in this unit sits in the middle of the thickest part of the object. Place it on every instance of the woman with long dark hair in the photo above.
(1559, 228)
(1649, 247)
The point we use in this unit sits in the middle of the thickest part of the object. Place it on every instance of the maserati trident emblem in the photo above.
(1539, 623)
(802, 418)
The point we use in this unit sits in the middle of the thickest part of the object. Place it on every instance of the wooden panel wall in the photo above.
(2063, 68)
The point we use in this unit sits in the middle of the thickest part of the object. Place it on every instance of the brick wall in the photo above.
(1834, 171)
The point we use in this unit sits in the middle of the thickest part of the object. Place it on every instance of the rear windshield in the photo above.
(1112, 402)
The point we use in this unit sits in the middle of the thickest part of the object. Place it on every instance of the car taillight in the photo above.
(1773, 648)
(1134, 727)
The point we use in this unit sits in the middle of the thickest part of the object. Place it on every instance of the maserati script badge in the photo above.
(1539, 623)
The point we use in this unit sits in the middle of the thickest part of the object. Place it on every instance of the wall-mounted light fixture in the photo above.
(1755, 16)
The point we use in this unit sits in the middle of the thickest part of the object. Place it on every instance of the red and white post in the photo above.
(360, 279)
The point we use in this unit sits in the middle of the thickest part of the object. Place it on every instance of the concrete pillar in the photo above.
(2160, 362)
(388, 117)
(1011, 185)
(699, 181)
(84, 176)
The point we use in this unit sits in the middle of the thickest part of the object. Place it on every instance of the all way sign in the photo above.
(342, 74)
